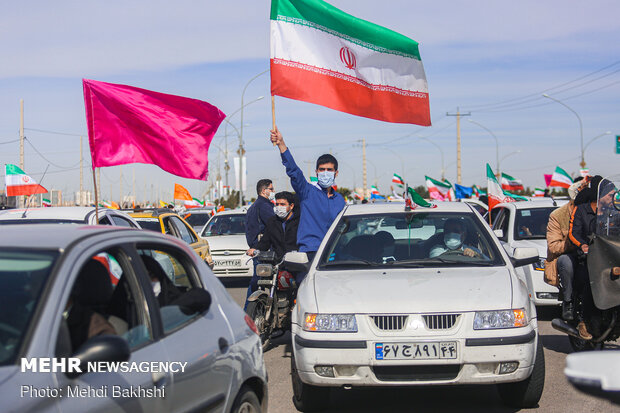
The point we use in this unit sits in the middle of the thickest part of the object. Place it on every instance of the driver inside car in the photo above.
(453, 240)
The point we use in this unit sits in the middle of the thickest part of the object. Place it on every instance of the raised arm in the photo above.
(298, 180)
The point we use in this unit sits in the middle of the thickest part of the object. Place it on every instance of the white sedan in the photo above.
(410, 306)
(524, 224)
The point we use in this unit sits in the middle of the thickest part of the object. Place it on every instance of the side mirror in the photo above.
(296, 261)
(101, 348)
(595, 373)
(524, 256)
(499, 233)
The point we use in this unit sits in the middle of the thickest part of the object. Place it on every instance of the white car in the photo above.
(67, 215)
(198, 217)
(225, 233)
(524, 224)
(376, 310)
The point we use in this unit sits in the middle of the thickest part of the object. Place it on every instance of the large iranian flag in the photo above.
(560, 178)
(511, 184)
(437, 189)
(494, 191)
(18, 183)
(322, 55)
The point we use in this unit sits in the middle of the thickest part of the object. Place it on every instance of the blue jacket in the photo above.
(318, 211)
(257, 216)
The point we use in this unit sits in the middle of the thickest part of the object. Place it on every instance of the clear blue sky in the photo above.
(475, 53)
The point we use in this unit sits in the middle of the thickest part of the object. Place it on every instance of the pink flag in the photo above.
(548, 179)
(131, 125)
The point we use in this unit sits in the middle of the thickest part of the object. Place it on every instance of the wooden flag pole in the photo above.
(273, 114)
(96, 197)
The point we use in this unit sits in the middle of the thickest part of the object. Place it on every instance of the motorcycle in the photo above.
(270, 306)
(603, 262)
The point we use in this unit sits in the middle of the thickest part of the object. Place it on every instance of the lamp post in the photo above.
(443, 169)
(506, 156)
(592, 140)
(241, 151)
(496, 145)
(583, 162)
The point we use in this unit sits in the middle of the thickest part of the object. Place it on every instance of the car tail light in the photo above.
(251, 324)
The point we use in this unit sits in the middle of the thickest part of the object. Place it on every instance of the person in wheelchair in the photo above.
(454, 241)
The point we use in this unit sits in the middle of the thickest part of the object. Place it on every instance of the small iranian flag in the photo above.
(46, 202)
(374, 190)
(398, 181)
(414, 198)
(322, 55)
(538, 192)
(511, 184)
(584, 172)
(437, 189)
(18, 183)
(560, 178)
(194, 203)
(494, 191)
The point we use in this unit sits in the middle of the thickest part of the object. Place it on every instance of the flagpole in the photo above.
(273, 114)
(96, 197)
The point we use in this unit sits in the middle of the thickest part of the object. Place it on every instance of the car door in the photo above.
(187, 234)
(126, 311)
(201, 339)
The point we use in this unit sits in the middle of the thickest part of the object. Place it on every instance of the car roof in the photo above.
(539, 203)
(50, 236)
(66, 213)
(391, 207)
(237, 211)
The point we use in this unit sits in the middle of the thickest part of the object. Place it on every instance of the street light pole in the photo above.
(592, 140)
(443, 169)
(496, 145)
(241, 151)
(511, 153)
(583, 162)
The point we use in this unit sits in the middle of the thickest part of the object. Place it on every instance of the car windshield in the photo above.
(151, 224)
(22, 276)
(196, 219)
(225, 225)
(410, 239)
(532, 223)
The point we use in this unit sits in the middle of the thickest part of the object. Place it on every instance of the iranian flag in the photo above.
(18, 183)
(414, 198)
(374, 190)
(194, 203)
(494, 191)
(398, 181)
(511, 184)
(46, 202)
(538, 192)
(322, 55)
(560, 178)
(437, 189)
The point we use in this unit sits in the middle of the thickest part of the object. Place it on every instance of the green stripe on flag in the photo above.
(438, 183)
(323, 16)
(417, 199)
(13, 170)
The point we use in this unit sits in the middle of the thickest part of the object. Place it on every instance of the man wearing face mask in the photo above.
(257, 216)
(319, 205)
(454, 236)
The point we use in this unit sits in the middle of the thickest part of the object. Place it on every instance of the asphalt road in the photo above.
(559, 396)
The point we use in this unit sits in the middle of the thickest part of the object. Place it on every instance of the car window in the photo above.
(105, 299)
(532, 223)
(175, 286)
(410, 239)
(502, 222)
(123, 222)
(104, 220)
(151, 224)
(23, 274)
(184, 233)
(197, 219)
(225, 225)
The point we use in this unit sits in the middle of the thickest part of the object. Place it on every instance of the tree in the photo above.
(345, 192)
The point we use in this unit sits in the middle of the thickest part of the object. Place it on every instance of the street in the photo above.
(559, 396)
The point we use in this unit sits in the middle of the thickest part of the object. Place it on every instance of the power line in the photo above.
(7, 142)
(56, 132)
(47, 160)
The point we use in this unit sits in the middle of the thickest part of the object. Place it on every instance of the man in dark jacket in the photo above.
(257, 216)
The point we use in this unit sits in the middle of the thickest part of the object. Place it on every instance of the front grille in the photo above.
(389, 322)
(440, 321)
(231, 271)
(228, 252)
(417, 373)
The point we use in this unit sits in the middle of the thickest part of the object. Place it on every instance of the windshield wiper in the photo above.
(350, 263)
(437, 261)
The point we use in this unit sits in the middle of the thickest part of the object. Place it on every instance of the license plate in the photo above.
(415, 351)
(228, 263)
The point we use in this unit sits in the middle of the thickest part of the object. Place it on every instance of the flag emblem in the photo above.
(348, 57)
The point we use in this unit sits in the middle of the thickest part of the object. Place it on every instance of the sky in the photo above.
(491, 60)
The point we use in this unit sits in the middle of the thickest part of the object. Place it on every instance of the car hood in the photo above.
(413, 290)
(227, 242)
(539, 244)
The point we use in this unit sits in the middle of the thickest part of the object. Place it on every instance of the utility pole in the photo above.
(458, 142)
(21, 145)
(81, 173)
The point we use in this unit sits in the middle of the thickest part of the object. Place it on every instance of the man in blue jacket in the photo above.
(320, 205)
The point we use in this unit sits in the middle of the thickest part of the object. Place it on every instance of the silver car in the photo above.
(67, 215)
(113, 319)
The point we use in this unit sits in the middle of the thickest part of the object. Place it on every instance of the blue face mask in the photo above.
(452, 240)
(326, 178)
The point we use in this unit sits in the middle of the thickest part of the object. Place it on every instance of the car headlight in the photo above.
(540, 265)
(487, 320)
(344, 323)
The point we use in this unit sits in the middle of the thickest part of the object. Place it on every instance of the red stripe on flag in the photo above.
(17, 190)
(558, 184)
(346, 96)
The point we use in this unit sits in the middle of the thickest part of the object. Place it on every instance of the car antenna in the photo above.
(40, 182)
(554, 202)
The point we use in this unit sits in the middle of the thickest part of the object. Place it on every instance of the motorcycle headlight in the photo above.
(540, 265)
(487, 320)
(264, 270)
(344, 323)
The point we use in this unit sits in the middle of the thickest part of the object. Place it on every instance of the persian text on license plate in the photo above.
(415, 351)
(228, 263)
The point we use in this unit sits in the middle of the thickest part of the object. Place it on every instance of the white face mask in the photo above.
(326, 178)
(452, 240)
(280, 211)
(271, 196)
(156, 287)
